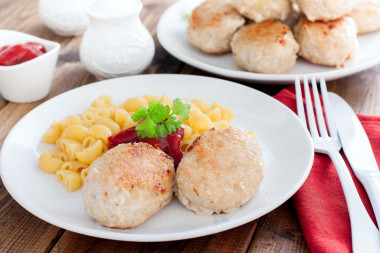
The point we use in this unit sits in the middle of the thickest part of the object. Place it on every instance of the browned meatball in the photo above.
(212, 25)
(366, 15)
(330, 43)
(325, 10)
(266, 47)
(220, 171)
(128, 184)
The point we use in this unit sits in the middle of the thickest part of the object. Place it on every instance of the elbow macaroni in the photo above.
(81, 139)
(52, 161)
(87, 155)
(75, 132)
(70, 179)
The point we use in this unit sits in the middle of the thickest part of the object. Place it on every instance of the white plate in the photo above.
(288, 156)
(171, 32)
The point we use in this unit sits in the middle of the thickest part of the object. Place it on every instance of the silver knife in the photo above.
(357, 149)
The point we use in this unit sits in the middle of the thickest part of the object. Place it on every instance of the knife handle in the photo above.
(365, 235)
(372, 187)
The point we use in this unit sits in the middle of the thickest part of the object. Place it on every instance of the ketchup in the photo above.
(169, 144)
(3, 48)
(13, 55)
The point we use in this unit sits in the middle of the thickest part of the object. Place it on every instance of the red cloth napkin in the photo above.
(320, 203)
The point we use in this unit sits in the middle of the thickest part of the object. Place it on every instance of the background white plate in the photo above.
(171, 32)
(288, 156)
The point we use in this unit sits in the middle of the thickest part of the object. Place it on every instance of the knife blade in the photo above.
(357, 149)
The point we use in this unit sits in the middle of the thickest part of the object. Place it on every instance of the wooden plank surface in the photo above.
(71, 242)
(279, 231)
(20, 231)
(361, 91)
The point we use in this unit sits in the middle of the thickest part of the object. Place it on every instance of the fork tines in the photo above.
(318, 107)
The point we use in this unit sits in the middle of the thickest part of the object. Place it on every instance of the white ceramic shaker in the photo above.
(116, 43)
(65, 17)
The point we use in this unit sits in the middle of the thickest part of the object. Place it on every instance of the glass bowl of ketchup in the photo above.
(27, 65)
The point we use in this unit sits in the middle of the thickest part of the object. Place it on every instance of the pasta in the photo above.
(108, 122)
(201, 104)
(102, 101)
(69, 146)
(100, 132)
(81, 139)
(87, 155)
(84, 173)
(71, 120)
(132, 104)
(129, 123)
(52, 161)
(73, 166)
(70, 179)
(75, 132)
(121, 116)
(53, 133)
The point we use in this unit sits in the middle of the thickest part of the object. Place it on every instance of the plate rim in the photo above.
(116, 235)
(278, 79)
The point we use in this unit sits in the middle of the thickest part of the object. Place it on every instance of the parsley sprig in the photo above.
(158, 121)
(185, 14)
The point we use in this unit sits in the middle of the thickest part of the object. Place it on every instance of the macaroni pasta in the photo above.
(81, 139)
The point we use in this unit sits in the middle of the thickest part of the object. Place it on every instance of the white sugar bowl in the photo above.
(65, 17)
(116, 43)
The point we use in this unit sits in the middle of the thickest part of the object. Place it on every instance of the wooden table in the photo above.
(20, 231)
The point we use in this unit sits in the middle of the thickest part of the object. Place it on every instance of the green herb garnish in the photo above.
(185, 15)
(157, 119)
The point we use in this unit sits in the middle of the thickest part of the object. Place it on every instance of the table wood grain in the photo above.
(20, 231)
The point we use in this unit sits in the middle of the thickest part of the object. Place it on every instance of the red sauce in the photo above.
(13, 55)
(169, 144)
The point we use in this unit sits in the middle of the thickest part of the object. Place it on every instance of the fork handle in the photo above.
(365, 235)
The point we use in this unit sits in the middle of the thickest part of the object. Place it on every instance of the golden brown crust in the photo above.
(330, 43)
(266, 47)
(137, 164)
(220, 172)
(268, 31)
(211, 26)
(325, 28)
(128, 184)
(224, 141)
(209, 17)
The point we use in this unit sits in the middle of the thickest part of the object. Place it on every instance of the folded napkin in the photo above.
(320, 203)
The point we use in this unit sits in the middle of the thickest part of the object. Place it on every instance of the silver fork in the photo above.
(365, 235)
